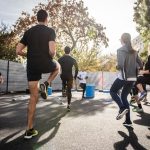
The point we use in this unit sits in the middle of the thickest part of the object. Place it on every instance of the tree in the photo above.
(7, 44)
(71, 21)
(73, 27)
(108, 63)
(142, 19)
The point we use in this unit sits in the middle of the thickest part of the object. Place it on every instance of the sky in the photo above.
(115, 15)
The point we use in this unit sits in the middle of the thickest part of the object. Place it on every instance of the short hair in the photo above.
(67, 50)
(42, 15)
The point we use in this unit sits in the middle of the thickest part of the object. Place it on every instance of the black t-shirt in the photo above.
(67, 62)
(147, 67)
(37, 41)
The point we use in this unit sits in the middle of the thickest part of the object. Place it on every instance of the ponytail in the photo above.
(126, 39)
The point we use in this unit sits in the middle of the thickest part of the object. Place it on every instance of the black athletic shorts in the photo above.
(35, 73)
(143, 80)
(67, 81)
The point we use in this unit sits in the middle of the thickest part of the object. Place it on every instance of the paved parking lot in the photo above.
(91, 124)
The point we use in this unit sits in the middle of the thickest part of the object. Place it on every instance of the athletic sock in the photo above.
(140, 106)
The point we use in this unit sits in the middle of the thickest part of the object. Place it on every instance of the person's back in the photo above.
(127, 63)
(36, 39)
(67, 62)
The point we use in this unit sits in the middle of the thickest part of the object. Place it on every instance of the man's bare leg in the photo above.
(30, 132)
(139, 108)
(143, 93)
(33, 87)
(43, 86)
(140, 87)
(136, 99)
(54, 73)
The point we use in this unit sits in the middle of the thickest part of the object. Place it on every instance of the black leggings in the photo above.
(67, 86)
(83, 86)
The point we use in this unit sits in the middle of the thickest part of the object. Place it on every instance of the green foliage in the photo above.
(142, 19)
(144, 53)
(108, 63)
(73, 27)
(7, 45)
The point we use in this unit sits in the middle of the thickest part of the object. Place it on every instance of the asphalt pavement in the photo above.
(90, 125)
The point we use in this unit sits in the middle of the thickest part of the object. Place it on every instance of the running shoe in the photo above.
(137, 109)
(68, 107)
(121, 113)
(43, 89)
(142, 95)
(144, 99)
(30, 133)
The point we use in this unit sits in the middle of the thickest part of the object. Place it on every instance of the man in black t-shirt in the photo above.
(67, 62)
(40, 43)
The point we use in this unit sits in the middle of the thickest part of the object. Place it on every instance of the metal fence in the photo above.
(15, 79)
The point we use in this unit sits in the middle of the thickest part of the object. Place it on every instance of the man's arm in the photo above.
(19, 49)
(52, 48)
(141, 72)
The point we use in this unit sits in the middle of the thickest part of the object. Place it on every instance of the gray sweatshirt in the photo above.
(128, 63)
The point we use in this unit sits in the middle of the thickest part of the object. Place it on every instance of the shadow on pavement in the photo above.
(88, 107)
(13, 114)
(144, 119)
(128, 139)
(47, 130)
(47, 120)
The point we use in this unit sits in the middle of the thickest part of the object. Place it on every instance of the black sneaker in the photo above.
(68, 107)
(122, 112)
(144, 99)
(142, 95)
(43, 89)
(30, 133)
(127, 123)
